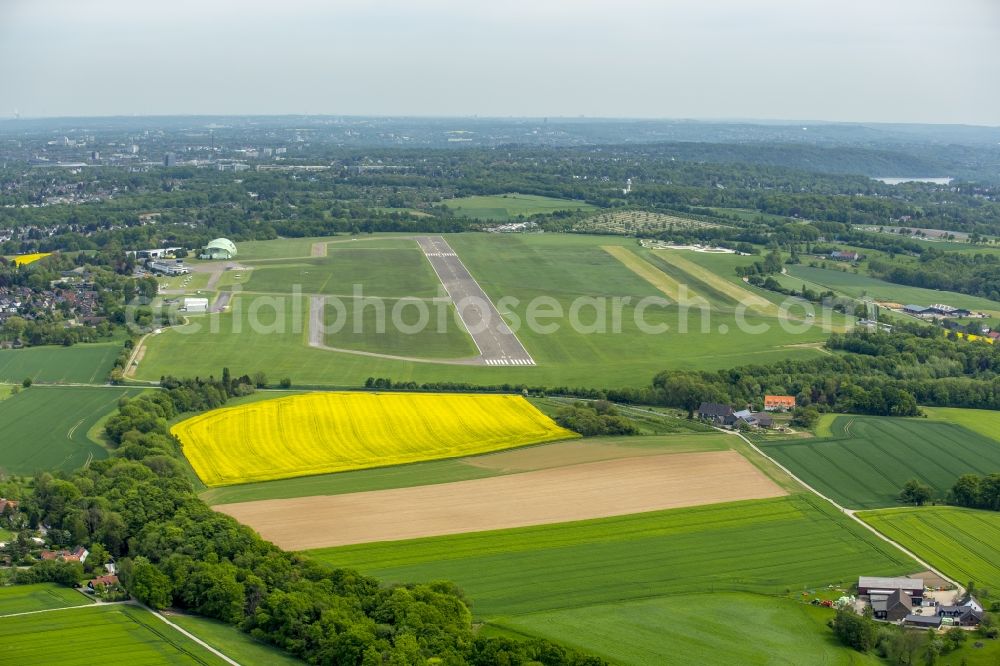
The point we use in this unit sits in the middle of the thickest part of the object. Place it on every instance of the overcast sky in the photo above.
(856, 60)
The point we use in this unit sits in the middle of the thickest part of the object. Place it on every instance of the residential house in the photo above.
(106, 581)
(779, 403)
(4, 503)
(967, 612)
(78, 554)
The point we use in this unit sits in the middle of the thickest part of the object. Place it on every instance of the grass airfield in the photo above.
(606, 347)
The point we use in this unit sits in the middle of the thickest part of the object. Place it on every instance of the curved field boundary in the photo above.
(559, 495)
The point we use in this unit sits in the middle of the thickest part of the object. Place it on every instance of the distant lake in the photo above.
(897, 181)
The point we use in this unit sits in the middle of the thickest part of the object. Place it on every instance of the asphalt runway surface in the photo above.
(498, 345)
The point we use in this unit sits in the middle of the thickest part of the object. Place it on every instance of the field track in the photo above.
(576, 492)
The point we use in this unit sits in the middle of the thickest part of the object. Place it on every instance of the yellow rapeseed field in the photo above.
(318, 433)
(25, 259)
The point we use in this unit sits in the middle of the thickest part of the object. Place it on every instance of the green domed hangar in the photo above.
(220, 248)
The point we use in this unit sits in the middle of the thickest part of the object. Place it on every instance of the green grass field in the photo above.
(963, 543)
(410, 275)
(117, 634)
(446, 471)
(232, 642)
(689, 629)
(858, 285)
(45, 427)
(502, 207)
(521, 267)
(984, 421)
(355, 324)
(38, 597)
(83, 363)
(764, 546)
(869, 458)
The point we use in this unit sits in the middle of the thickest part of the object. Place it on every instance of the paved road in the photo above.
(497, 344)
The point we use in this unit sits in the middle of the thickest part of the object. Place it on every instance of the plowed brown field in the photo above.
(575, 492)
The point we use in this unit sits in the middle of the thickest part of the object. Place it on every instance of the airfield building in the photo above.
(220, 248)
(195, 305)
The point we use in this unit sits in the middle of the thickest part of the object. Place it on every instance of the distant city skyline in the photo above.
(917, 61)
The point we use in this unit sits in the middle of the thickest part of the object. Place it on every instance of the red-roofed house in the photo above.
(106, 581)
(4, 503)
(79, 554)
(779, 403)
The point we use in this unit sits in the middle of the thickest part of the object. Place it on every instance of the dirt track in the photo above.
(577, 492)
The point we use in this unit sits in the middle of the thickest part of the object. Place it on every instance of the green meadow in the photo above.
(986, 422)
(46, 427)
(502, 207)
(82, 363)
(368, 326)
(232, 642)
(112, 634)
(963, 543)
(687, 629)
(868, 458)
(38, 597)
(618, 586)
(764, 546)
(380, 271)
(858, 285)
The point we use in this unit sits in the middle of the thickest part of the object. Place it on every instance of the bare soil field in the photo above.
(577, 492)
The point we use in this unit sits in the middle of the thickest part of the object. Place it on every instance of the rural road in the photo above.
(850, 513)
(496, 342)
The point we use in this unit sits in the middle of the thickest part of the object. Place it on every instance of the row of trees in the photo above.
(594, 418)
(976, 492)
(172, 549)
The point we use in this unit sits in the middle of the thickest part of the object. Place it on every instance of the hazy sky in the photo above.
(859, 60)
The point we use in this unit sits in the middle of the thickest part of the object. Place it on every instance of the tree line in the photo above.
(172, 549)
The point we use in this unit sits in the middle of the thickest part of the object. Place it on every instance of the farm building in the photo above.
(717, 413)
(879, 586)
(891, 607)
(779, 403)
(917, 310)
(220, 248)
(922, 621)
(845, 256)
(756, 419)
(196, 304)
